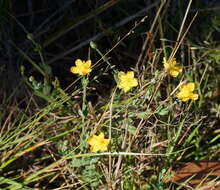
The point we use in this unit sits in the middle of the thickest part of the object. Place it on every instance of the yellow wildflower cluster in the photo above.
(128, 81)
(186, 90)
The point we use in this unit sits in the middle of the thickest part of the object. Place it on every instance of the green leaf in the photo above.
(163, 111)
(132, 129)
(78, 162)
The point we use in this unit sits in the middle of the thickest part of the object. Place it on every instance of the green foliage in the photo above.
(12, 185)
(91, 176)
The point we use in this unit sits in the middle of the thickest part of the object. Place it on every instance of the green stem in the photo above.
(94, 46)
(84, 110)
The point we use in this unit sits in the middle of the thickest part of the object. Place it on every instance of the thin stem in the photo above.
(110, 133)
(84, 83)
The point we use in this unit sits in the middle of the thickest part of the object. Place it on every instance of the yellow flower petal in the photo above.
(98, 143)
(171, 67)
(194, 96)
(82, 67)
(181, 95)
(130, 74)
(88, 63)
(120, 74)
(186, 92)
(127, 80)
(101, 135)
(92, 140)
(126, 88)
(74, 70)
(185, 99)
(190, 86)
(174, 73)
(78, 62)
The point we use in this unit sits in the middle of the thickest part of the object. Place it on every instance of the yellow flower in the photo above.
(186, 92)
(127, 81)
(98, 143)
(82, 67)
(171, 67)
